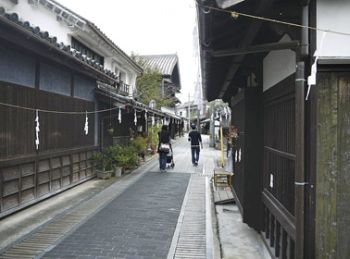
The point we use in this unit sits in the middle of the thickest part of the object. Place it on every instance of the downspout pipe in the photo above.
(305, 31)
(300, 183)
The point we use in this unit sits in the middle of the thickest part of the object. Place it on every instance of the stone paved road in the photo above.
(139, 223)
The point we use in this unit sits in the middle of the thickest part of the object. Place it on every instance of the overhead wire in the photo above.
(54, 111)
(236, 14)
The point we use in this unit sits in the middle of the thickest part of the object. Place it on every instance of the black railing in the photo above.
(123, 89)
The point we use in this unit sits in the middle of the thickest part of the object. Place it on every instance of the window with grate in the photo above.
(77, 45)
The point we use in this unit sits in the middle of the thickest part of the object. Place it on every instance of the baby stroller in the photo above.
(170, 160)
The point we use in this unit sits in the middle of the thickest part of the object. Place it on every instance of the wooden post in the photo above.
(222, 147)
(299, 161)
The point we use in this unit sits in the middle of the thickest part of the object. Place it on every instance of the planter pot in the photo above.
(118, 171)
(110, 131)
(104, 174)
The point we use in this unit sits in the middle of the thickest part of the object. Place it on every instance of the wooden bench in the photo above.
(222, 177)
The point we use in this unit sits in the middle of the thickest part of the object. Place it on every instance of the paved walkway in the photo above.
(146, 214)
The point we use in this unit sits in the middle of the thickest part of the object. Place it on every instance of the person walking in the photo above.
(164, 147)
(195, 138)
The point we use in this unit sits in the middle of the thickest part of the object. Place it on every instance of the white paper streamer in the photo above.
(135, 118)
(37, 129)
(86, 127)
(153, 120)
(311, 80)
(120, 116)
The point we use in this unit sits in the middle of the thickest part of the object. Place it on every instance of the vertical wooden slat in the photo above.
(36, 161)
(20, 186)
(278, 239)
(1, 191)
(291, 249)
(71, 168)
(50, 174)
(343, 188)
(267, 234)
(284, 244)
(61, 173)
(299, 162)
(272, 231)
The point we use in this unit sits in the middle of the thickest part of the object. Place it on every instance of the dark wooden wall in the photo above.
(28, 175)
(57, 131)
(279, 168)
(333, 165)
(247, 183)
(238, 120)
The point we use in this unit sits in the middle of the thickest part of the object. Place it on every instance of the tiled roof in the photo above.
(101, 34)
(45, 37)
(165, 64)
(120, 51)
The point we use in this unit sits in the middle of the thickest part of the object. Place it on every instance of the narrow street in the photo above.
(134, 217)
(145, 214)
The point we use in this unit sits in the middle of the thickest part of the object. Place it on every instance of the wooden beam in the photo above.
(246, 41)
(282, 215)
(255, 49)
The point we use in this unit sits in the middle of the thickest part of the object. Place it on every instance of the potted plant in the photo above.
(140, 145)
(126, 157)
(112, 152)
(110, 131)
(153, 138)
(103, 165)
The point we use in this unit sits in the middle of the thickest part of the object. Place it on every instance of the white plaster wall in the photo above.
(278, 65)
(334, 15)
(37, 15)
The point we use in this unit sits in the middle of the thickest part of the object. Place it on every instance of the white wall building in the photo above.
(82, 35)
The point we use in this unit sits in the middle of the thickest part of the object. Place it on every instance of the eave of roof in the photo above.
(115, 47)
(165, 64)
(35, 33)
(111, 92)
(104, 37)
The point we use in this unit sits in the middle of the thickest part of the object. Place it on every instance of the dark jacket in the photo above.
(195, 137)
(164, 137)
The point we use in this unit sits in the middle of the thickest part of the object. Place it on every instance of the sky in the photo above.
(147, 27)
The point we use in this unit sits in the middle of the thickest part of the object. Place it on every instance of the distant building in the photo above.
(167, 65)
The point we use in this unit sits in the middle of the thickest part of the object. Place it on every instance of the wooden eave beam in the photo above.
(247, 40)
(255, 49)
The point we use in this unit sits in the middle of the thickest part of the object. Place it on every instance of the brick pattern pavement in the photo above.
(138, 224)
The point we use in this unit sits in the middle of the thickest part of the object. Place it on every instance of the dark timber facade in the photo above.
(292, 183)
(38, 74)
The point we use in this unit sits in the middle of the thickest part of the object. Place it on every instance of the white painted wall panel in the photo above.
(334, 15)
(278, 65)
(38, 15)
